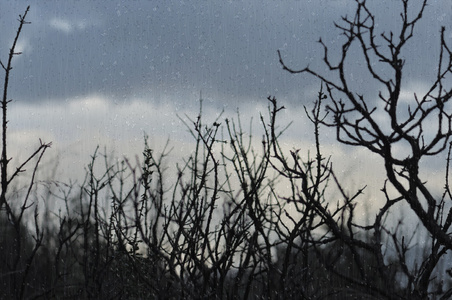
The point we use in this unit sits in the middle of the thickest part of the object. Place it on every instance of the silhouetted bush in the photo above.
(239, 221)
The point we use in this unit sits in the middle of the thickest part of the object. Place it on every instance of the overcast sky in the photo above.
(104, 72)
(149, 49)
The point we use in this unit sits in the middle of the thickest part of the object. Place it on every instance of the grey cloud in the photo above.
(146, 48)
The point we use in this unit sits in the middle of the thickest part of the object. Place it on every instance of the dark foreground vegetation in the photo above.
(238, 221)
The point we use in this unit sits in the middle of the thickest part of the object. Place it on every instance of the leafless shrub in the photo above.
(222, 227)
(354, 116)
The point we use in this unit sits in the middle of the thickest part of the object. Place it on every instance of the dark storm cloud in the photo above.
(147, 49)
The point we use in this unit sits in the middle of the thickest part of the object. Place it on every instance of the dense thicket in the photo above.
(245, 219)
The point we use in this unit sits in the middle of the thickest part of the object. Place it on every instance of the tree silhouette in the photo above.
(242, 218)
(357, 120)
